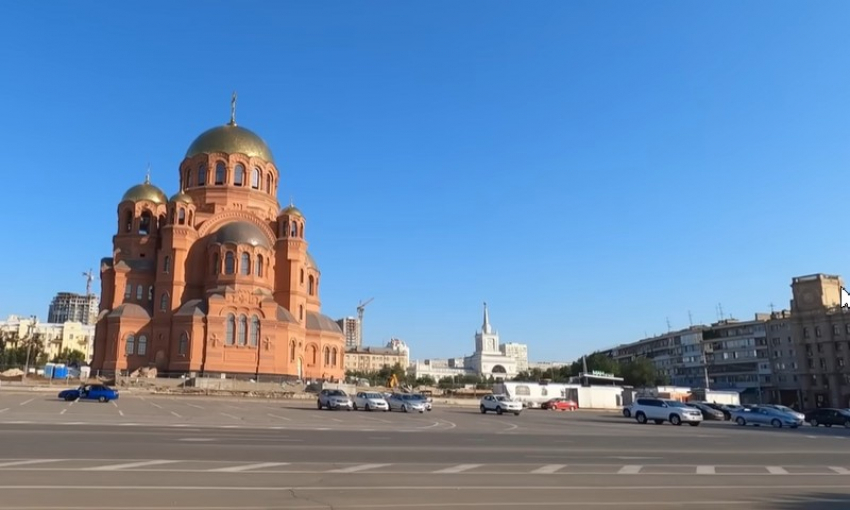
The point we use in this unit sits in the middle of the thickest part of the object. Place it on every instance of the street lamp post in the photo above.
(30, 339)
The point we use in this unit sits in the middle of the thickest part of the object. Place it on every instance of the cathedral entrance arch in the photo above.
(499, 369)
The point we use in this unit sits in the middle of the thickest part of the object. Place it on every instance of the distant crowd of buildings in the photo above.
(797, 357)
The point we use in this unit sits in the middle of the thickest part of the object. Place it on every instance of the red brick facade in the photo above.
(216, 279)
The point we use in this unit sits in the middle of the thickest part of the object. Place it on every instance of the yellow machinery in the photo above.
(392, 382)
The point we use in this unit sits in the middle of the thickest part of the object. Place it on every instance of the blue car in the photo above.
(97, 392)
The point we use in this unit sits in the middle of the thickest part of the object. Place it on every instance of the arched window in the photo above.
(191, 219)
(130, 346)
(181, 216)
(255, 330)
(230, 333)
(314, 354)
(216, 264)
(302, 276)
(229, 263)
(163, 301)
(255, 178)
(269, 183)
(293, 232)
(183, 344)
(327, 356)
(333, 357)
(128, 221)
(243, 329)
(188, 181)
(260, 266)
(202, 174)
(300, 312)
(245, 264)
(145, 223)
(160, 222)
(292, 350)
(166, 264)
(310, 282)
(150, 293)
(317, 285)
(139, 291)
(220, 173)
(142, 349)
(128, 291)
(239, 175)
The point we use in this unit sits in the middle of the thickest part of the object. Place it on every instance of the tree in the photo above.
(70, 357)
(597, 362)
(639, 372)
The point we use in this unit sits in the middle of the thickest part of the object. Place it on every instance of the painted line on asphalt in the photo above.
(197, 439)
(706, 470)
(453, 488)
(26, 402)
(278, 417)
(230, 416)
(63, 411)
(120, 412)
(113, 403)
(4, 410)
(175, 414)
(457, 469)
(358, 468)
(776, 470)
(195, 406)
(840, 470)
(26, 462)
(130, 465)
(547, 470)
(247, 467)
(155, 405)
(629, 470)
(509, 429)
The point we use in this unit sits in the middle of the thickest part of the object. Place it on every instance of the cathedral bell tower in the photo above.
(290, 263)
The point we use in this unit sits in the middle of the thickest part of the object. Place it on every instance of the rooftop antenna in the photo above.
(233, 109)
(720, 309)
(771, 308)
(690, 319)
(669, 329)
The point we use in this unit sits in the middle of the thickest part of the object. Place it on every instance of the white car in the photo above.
(500, 404)
(660, 410)
(370, 401)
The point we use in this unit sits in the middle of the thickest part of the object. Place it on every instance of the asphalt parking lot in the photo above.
(216, 453)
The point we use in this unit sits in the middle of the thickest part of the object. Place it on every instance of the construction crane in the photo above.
(89, 280)
(360, 309)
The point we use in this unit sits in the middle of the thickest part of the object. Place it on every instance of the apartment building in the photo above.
(350, 327)
(71, 307)
(737, 358)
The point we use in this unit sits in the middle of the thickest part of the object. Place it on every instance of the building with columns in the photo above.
(216, 279)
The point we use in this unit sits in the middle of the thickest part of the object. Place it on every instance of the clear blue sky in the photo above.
(588, 168)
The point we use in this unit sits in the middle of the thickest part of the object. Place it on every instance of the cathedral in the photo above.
(216, 279)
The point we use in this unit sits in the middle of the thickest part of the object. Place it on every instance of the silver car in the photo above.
(765, 416)
(785, 409)
(406, 402)
(334, 399)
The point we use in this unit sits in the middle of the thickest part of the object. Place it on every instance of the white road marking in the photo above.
(26, 462)
(229, 427)
(4, 410)
(336, 420)
(706, 470)
(116, 467)
(155, 405)
(128, 424)
(551, 468)
(358, 468)
(175, 414)
(457, 469)
(197, 439)
(840, 470)
(113, 403)
(195, 406)
(120, 412)
(629, 470)
(63, 411)
(278, 417)
(776, 470)
(26, 402)
(231, 416)
(512, 427)
(248, 467)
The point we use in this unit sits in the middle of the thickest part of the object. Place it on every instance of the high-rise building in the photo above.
(71, 307)
(350, 327)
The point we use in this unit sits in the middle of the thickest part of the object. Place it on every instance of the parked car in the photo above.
(405, 402)
(370, 401)
(334, 399)
(765, 416)
(627, 410)
(708, 412)
(500, 404)
(559, 404)
(828, 417)
(99, 392)
(661, 410)
(422, 398)
(786, 409)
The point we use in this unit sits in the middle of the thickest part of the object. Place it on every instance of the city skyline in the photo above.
(650, 161)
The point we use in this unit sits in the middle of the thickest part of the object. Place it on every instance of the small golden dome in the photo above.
(145, 191)
(231, 139)
(291, 210)
(182, 197)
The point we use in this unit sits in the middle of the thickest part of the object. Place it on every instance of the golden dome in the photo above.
(231, 139)
(145, 191)
(182, 197)
(292, 211)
